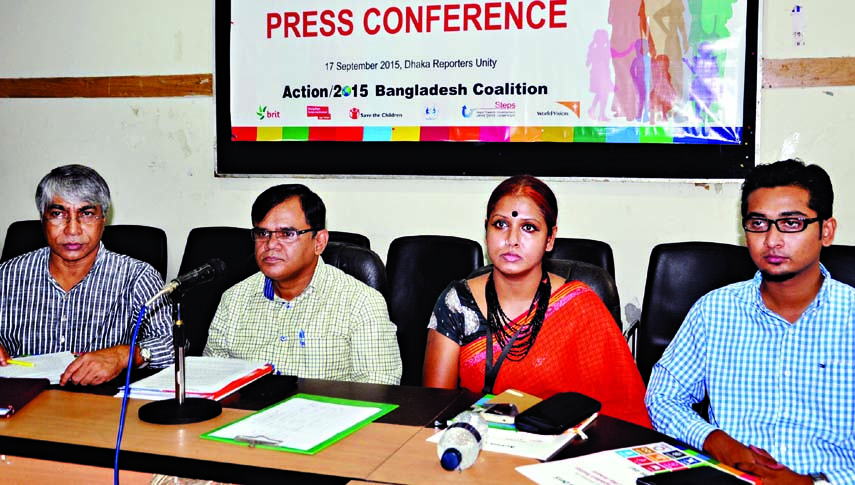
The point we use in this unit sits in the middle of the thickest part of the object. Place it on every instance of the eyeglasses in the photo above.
(61, 218)
(784, 224)
(286, 235)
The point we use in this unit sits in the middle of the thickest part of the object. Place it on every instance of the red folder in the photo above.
(15, 392)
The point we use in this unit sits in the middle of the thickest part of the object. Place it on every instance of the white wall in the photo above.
(157, 154)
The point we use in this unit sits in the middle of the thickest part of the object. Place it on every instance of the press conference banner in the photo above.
(667, 71)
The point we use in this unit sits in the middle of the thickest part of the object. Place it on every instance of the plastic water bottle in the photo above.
(461, 442)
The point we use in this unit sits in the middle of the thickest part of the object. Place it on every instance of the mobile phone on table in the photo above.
(503, 412)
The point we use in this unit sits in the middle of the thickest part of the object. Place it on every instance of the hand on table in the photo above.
(751, 459)
(93, 368)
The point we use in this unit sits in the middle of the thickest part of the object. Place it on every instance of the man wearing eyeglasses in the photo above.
(306, 318)
(775, 354)
(77, 296)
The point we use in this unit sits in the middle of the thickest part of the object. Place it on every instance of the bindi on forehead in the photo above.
(514, 214)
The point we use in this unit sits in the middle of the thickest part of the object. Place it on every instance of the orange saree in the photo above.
(579, 348)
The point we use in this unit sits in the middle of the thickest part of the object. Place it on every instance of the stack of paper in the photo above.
(205, 377)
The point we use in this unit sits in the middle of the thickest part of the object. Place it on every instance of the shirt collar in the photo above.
(821, 296)
(320, 269)
(99, 259)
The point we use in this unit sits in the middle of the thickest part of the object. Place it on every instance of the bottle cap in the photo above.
(451, 459)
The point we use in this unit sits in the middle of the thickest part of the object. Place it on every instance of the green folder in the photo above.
(302, 423)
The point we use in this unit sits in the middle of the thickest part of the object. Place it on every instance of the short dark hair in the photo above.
(533, 188)
(812, 178)
(76, 183)
(312, 205)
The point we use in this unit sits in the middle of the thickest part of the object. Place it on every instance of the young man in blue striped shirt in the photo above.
(77, 296)
(775, 354)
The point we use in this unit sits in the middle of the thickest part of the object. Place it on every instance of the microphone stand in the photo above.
(181, 409)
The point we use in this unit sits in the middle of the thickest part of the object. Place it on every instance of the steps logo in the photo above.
(263, 113)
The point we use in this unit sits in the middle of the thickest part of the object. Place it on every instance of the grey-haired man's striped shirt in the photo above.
(38, 317)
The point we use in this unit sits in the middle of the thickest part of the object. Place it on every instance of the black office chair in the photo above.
(350, 238)
(839, 260)
(677, 276)
(680, 273)
(597, 278)
(145, 243)
(234, 246)
(590, 251)
(360, 262)
(419, 268)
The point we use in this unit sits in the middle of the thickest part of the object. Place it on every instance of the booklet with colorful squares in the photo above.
(623, 466)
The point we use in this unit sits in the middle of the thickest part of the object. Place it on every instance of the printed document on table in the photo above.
(48, 366)
(208, 377)
(622, 466)
(302, 423)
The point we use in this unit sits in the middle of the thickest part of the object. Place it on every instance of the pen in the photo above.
(580, 430)
(20, 362)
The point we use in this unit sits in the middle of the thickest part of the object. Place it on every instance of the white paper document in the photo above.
(529, 445)
(620, 466)
(50, 366)
(210, 377)
(297, 423)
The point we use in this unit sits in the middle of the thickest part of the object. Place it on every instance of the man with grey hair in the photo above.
(77, 296)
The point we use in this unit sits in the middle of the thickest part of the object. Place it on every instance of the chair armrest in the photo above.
(630, 335)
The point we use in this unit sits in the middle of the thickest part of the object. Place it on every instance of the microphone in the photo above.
(209, 271)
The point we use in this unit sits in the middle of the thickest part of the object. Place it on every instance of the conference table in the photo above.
(70, 437)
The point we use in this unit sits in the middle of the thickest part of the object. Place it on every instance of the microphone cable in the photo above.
(127, 393)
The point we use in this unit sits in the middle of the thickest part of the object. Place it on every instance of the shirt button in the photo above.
(783, 448)
(787, 373)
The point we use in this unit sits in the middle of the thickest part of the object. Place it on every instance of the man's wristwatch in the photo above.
(146, 357)
(819, 479)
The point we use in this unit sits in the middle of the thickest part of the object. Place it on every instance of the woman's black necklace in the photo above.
(498, 321)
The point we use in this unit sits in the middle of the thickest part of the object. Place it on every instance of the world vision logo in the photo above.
(571, 105)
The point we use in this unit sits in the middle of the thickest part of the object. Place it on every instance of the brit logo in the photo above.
(263, 113)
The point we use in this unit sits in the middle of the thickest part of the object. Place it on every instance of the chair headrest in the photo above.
(357, 261)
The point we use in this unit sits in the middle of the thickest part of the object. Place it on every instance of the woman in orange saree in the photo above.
(564, 340)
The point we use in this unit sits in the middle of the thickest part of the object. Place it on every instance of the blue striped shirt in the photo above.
(786, 388)
(38, 317)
